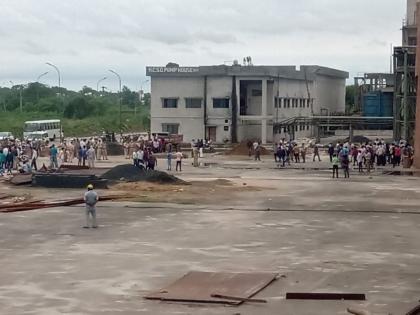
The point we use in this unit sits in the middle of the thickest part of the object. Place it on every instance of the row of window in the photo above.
(297, 128)
(194, 102)
(286, 102)
(174, 128)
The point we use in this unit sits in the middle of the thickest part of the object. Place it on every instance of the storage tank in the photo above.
(378, 104)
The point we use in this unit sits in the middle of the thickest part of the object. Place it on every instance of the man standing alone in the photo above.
(91, 198)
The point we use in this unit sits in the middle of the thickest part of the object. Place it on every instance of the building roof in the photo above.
(288, 72)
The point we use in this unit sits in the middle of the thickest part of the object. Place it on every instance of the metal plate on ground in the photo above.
(198, 287)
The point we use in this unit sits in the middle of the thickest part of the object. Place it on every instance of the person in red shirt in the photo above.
(397, 156)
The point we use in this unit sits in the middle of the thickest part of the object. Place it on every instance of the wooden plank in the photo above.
(235, 298)
(198, 287)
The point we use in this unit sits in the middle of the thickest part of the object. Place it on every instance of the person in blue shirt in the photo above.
(53, 157)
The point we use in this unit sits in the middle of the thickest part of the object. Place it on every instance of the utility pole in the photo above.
(120, 92)
(59, 84)
(141, 92)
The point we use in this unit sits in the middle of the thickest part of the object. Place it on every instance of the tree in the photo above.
(350, 97)
(78, 108)
(129, 97)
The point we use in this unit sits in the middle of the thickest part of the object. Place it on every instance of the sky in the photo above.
(85, 39)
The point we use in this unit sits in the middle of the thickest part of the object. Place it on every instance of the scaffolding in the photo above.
(404, 92)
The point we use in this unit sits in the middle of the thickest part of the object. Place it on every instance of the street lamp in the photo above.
(59, 81)
(99, 81)
(41, 75)
(37, 87)
(119, 79)
(140, 96)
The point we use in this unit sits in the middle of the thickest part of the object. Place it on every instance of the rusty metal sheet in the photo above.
(326, 296)
(198, 287)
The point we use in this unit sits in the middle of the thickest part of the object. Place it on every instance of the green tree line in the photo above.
(83, 113)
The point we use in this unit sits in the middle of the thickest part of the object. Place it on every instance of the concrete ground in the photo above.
(323, 235)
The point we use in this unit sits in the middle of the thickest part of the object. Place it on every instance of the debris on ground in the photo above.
(242, 149)
(21, 205)
(326, 296)
(131, 173)
(21, 179)
(204, 287)
(357, 312)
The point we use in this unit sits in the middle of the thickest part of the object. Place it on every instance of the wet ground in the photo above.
(324, 235)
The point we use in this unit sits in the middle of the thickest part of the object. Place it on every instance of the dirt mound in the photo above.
(242, 149)
(131, 173)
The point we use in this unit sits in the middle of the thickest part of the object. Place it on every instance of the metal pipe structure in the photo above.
(120, 92)
(99, 81)
(417, 128)
(59, 83)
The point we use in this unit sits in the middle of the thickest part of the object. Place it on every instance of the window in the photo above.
(277, 102)
(169, 102)
(226, 128)
(220, 102)
(309, 102)
(300, 103)
(193, 102)
(287, 103)
(170, 128)
(256, 92)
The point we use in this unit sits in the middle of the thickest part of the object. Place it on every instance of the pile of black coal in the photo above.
(131, 173)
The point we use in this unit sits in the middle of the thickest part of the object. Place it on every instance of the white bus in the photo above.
(41, 128)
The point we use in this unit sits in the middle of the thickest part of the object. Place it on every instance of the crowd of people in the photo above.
(19, 155)
(342, 155)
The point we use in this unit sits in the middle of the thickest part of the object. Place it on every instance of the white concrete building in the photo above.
(235, 103)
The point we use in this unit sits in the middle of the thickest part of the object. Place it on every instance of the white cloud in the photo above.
(85, 38)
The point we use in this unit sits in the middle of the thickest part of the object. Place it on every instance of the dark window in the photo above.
(193, 102)
(220, 103)
(170, 103)
(226, 121)
(309, 102)
(277, 102)
(301, 103)
(170, 128)
(226, 128)
(256, 92)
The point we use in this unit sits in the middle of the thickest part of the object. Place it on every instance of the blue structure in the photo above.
(378, 104)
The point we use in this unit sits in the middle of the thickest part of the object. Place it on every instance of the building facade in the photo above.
(235, 103)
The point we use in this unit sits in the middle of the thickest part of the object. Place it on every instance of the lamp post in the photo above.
(140, 96)
(59, 82)
(99, 81)
(37, 80)
(119, 80)
(41, 75)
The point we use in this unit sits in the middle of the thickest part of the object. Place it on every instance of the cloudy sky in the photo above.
(86, 38)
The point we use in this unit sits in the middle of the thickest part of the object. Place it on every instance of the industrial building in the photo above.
(374, 94)
(234, 103)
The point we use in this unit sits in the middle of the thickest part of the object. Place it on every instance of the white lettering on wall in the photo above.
(173, 70)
